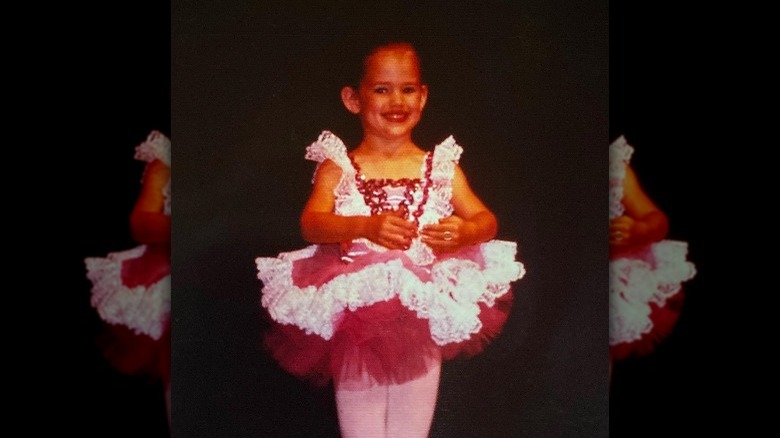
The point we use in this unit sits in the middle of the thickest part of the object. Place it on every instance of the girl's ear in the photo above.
(423, 96)
(349, 96)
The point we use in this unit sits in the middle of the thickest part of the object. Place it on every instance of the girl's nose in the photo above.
(396, 96)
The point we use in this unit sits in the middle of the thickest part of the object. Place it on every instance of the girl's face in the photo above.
(390, 98)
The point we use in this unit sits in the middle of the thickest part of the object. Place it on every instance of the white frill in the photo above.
(450, 302)
(144, 309)
(619, 155)
(157, 147)
(637, 282)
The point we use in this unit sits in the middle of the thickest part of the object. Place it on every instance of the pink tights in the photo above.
(389, 411)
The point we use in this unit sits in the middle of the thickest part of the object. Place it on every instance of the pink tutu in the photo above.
(131, 292)
(663, 319)
(646, 296)
(136, 354)
(363, 314)
(387, 335)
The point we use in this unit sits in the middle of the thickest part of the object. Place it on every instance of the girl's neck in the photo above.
(388, 148)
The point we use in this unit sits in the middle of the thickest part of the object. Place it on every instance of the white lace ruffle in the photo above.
(619, 156)
(156, 147)
(450, 302)
(145, 310)
(349, 201)
(635, 283)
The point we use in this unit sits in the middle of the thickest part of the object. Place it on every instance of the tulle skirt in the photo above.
(379, 315)
(645, 296)
(131, 293)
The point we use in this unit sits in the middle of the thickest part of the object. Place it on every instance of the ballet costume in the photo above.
(645, 285)
(361, 315)
(131, 291)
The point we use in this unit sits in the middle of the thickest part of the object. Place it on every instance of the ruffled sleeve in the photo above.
(329, 147)
(156, 147)
(619, 156)
(348, 201)
(445, 156)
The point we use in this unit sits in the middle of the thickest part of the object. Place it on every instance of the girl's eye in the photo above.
(409, 90)
(380, 90)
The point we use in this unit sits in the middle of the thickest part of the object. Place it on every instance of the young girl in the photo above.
(132, 289)
(646, 272)
(403, 273)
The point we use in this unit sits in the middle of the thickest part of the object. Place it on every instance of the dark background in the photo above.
(105, 85)
(522, 88)
(248, 99)
(100, 80)
(666, 91)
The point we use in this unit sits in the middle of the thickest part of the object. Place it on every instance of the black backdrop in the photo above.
(661, 70)
(105, 85)
(522, 88)
(102, 81)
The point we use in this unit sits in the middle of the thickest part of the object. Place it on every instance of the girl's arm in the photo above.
(148, 222)
(472, 222)
(642, 223)
(320, 225)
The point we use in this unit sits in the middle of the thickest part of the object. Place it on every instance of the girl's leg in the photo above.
(362, 412)
(410, 405)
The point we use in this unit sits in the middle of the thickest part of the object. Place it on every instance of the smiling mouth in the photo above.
(396, 117)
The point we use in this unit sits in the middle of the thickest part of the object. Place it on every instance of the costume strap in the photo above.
(619, 156)
(445, 156)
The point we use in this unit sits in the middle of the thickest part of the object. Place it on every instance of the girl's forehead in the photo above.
(393, 61)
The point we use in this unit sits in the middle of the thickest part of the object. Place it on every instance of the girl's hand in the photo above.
(622, 232)
(391, 230)
(448, 235)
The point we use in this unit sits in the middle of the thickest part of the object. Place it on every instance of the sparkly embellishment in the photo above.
(375, 195)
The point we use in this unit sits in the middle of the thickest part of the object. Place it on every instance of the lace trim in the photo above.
(145, 310)
(450, 302)
(156, 147)
(619, 156)
(415, 193)
(637, 282)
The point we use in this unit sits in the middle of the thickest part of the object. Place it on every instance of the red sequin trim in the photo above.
(375, 196)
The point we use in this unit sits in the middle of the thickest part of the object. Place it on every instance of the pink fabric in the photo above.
(493, 319)
(664, 320)
(152, 266)
(326, 264)
(136, 354)
(385, 340)
(378, 316)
